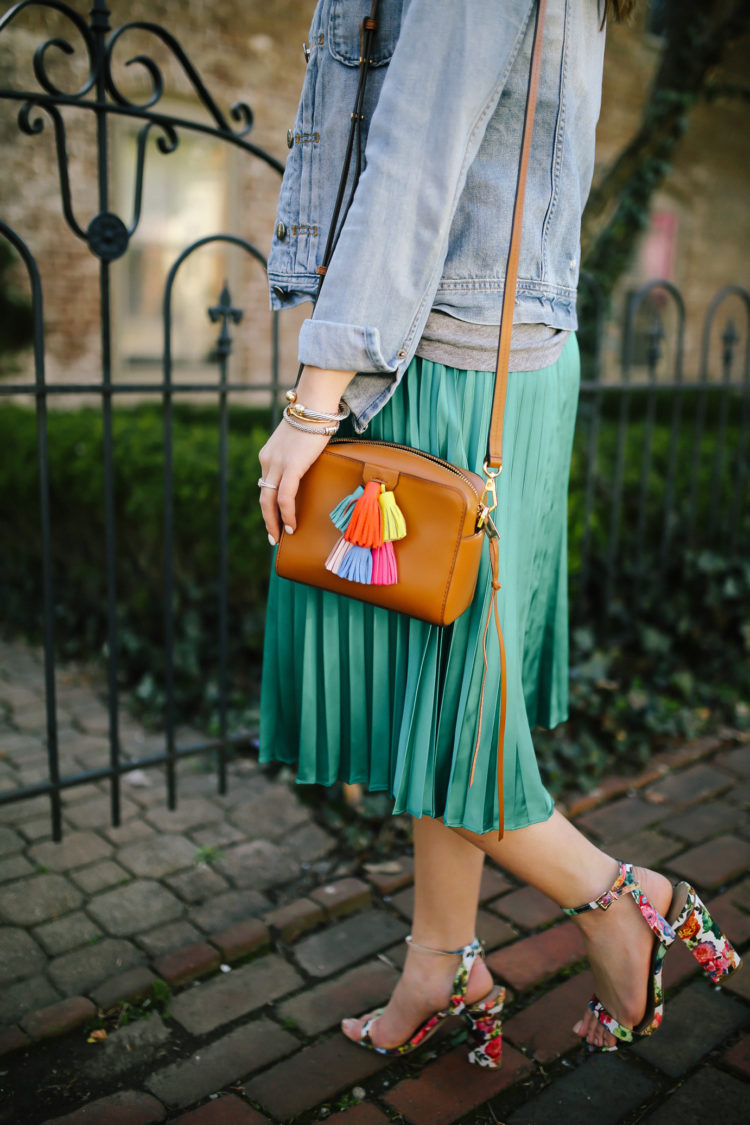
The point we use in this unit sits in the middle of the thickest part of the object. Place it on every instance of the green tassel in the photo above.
(342, 513)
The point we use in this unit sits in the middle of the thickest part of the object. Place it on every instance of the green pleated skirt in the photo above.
(355, 693)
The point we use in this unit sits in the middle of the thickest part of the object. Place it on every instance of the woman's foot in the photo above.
(619, 946)
(425, 987)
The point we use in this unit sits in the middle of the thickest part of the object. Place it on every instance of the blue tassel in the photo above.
(342, 513)
(356, 565)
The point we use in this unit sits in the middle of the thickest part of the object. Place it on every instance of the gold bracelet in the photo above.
(306, 413)
(309, 427)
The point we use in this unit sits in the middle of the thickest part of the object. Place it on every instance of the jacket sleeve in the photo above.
(443, 83)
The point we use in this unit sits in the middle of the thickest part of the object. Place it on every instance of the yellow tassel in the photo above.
(394, 525)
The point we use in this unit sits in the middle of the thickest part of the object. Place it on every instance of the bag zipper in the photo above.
(411, 449)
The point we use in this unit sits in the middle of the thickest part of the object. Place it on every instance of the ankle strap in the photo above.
(443, 952)
(468, 955)
(625, 884)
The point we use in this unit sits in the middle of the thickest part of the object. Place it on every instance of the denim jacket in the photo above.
(429, 225)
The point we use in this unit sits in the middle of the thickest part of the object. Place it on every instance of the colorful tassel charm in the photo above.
(342, 513)
(365, 528)
(370, 520)
(394, 525)
(357, 565)
(384, 569)
(337, 555)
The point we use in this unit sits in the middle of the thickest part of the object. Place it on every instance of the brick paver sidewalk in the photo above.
(266, 940)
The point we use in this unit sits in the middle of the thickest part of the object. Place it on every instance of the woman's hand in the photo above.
(285, 458)
(289, 453)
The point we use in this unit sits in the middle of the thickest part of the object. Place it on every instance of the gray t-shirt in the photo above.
(473, 347)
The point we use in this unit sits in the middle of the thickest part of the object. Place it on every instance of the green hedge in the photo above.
(78, 538)
(672, 663)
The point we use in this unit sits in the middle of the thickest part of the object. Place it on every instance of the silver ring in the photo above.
(264, 484)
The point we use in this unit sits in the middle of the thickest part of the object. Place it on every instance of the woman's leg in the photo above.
(558, 860)
(447, 873)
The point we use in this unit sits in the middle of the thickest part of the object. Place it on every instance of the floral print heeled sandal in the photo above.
(483, 1017)
(688, 920)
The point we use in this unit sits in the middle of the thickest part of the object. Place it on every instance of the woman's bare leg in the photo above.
(558, 860)
(447, 873)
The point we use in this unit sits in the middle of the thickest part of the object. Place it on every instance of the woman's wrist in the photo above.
(321, 389)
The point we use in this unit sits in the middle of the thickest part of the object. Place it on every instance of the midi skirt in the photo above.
(354, 693)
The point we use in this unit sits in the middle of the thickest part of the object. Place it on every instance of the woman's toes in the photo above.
(593, 1032)
(352, 1029)
(599, 1037)
(585, 1026)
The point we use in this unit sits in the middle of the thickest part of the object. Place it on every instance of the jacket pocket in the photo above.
(344, 22)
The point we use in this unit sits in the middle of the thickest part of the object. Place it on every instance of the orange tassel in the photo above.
(365, 528)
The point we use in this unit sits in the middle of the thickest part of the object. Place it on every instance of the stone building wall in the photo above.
(706, 193)
(253, 52)
(244, 52)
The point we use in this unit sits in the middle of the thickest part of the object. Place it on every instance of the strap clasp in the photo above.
(488, 499)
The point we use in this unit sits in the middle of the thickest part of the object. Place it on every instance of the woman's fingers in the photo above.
(287, 494)
(270, 511)
(284, 460)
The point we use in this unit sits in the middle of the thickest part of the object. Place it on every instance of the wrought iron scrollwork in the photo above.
(40, 55)
(240, 111)
(167, 143)
(107, 234)
(33, 125)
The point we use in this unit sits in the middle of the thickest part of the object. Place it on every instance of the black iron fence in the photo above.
(674, 474)
(667, 502)
(107, 236)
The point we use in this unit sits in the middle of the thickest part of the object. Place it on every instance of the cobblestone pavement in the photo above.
(241, 906)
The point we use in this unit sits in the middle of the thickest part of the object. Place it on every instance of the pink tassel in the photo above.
(384, 569)
(337, 555)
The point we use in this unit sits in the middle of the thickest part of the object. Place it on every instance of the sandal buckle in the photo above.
(605, 901)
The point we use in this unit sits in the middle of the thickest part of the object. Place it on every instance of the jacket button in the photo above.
(402, 354)
(280, 232)
(279, 292)
(289, 138)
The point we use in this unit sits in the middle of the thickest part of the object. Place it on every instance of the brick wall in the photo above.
(707, 189)
(244, 52)
(252, 52)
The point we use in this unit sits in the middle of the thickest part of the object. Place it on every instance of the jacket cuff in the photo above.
(342, 347)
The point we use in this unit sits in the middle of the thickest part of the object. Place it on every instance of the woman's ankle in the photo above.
(589, 885)
(432, 976)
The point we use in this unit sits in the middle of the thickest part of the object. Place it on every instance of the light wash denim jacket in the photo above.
(430, 222)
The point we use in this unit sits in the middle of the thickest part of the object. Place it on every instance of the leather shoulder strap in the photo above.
(495, 443)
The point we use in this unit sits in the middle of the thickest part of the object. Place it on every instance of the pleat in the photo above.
(355, 693)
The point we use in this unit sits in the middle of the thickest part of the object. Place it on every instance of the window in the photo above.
(185, 197)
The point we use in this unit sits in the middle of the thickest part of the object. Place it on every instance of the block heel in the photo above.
(695, 927)
(687, 919)
(486, 1029)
